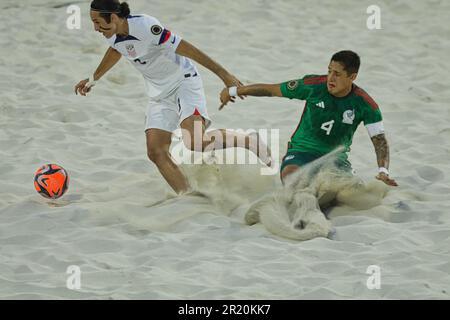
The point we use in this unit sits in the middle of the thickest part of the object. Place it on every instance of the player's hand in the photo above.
(385, 178)
(82, 88)
(232, 81)
(225, 98)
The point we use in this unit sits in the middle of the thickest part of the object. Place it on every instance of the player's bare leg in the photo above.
(222, 139)
(158, 143)
(288, 170)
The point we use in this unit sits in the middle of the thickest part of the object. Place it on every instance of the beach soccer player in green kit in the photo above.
(334, 108)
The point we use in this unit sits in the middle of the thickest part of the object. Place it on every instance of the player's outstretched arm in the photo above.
(111, 57)
(256, 90)
(188, 50)
(382, 151)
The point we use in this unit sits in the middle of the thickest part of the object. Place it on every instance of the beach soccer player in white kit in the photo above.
(173, 85)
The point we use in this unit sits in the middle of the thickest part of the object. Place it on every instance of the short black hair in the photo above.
(107, 7)
(349, 60)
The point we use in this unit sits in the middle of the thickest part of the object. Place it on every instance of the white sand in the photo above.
(119, 221)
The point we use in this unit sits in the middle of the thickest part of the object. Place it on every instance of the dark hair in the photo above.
(106, 7)
(349, 60)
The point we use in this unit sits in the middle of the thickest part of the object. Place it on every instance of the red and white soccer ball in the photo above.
(51, 181)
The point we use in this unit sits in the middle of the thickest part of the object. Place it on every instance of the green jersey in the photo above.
(328, 121)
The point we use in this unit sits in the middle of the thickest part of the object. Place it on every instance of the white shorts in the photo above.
(188, 99)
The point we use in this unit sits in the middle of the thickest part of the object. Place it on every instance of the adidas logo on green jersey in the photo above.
(321, 104)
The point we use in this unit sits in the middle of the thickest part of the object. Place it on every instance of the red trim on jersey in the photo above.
(196, 113)
(360, 92)
(314, 80)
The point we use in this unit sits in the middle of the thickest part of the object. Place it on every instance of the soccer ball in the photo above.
(51, 181)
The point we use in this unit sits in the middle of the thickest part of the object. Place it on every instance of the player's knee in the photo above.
(157, 155)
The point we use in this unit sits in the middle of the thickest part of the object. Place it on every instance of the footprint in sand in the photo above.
(430, 174)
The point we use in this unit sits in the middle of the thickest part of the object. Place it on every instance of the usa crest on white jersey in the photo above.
(151, 48)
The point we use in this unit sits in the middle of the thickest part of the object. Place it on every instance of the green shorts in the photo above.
(299, 158)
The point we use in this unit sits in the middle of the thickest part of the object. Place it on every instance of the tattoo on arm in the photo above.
(382, 150)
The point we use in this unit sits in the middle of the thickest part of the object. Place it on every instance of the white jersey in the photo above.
(151, 49)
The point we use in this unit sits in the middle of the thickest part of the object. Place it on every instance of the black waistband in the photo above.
(188, 75)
